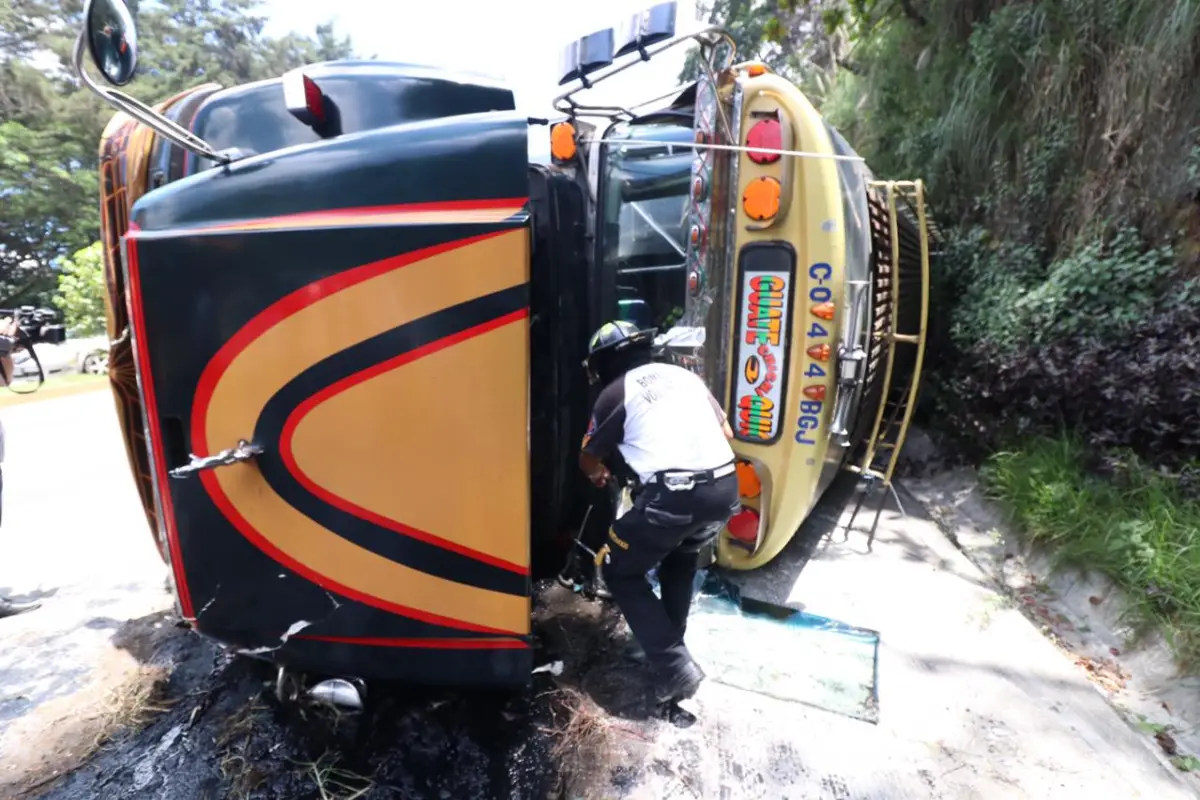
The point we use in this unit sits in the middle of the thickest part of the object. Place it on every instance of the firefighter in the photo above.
(671, 433)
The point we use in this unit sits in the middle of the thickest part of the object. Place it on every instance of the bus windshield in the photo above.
(644, 240)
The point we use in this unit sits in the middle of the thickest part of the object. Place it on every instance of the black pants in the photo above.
(667, 529)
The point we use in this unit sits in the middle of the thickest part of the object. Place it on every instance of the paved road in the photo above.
(73, 536)
(974, 702)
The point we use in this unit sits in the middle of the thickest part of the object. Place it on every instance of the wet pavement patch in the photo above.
(784, 653)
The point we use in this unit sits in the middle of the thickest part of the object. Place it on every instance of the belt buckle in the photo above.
(678, 482)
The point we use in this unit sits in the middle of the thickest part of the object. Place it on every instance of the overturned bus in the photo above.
(348, 317)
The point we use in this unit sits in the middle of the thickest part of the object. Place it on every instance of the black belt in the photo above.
(678, 480)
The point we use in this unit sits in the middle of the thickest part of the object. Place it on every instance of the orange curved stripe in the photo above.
(303, 328)
(442, 428)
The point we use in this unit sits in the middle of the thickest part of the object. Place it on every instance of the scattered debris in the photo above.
(334, 783)
(1167, 743)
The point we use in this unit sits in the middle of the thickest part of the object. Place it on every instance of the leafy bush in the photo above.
(1140, 390)
(1007, 299)
(80, 293)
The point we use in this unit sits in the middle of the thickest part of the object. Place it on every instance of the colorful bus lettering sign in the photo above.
(761, 343)
(756, 417)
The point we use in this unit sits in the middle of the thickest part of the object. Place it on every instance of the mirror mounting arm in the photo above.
(148, 116)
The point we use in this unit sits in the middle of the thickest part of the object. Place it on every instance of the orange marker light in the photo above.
(814, 392)
(819, 351)
(760, 200)
(754, 70)
(562, 141)
(748, 483)
(823, 310)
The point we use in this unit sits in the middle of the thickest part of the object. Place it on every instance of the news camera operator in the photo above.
(8, 342)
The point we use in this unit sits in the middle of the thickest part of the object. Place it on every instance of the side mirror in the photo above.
(111, 39)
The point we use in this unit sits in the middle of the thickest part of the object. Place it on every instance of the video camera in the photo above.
(36, 326)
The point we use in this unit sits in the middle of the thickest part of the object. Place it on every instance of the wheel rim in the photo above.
(95, 365)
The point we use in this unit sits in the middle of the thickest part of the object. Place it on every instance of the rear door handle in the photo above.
(244, 451)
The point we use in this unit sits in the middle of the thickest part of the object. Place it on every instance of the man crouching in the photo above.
(673, 434)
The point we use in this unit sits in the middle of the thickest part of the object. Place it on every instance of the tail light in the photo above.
(743, 527)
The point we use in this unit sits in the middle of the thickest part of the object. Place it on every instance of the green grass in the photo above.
(55, 386)
(1134, 524)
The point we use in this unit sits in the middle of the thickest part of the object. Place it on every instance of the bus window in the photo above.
(644, 241)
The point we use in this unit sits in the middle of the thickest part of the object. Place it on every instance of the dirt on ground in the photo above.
(196, 722)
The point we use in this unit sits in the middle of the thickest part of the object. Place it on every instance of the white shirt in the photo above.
(660, 417)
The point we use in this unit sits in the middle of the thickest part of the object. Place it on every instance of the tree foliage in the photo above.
(80, 294)
(50, 126)
(1059, 143)
(790, 36)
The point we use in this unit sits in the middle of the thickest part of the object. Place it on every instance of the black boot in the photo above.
(9, 608)
(680, 686)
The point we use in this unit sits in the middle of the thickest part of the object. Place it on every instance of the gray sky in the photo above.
(486, 36)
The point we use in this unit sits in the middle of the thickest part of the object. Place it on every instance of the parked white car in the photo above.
(87, 355)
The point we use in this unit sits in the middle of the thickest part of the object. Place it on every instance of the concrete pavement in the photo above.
(974, 702)
(74, 537)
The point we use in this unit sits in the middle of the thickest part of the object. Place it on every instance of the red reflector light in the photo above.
(766, 134)
(744, 526)
(306, 102)
(814, 392)
(314, 99)
(823, 310)
(819, 351)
